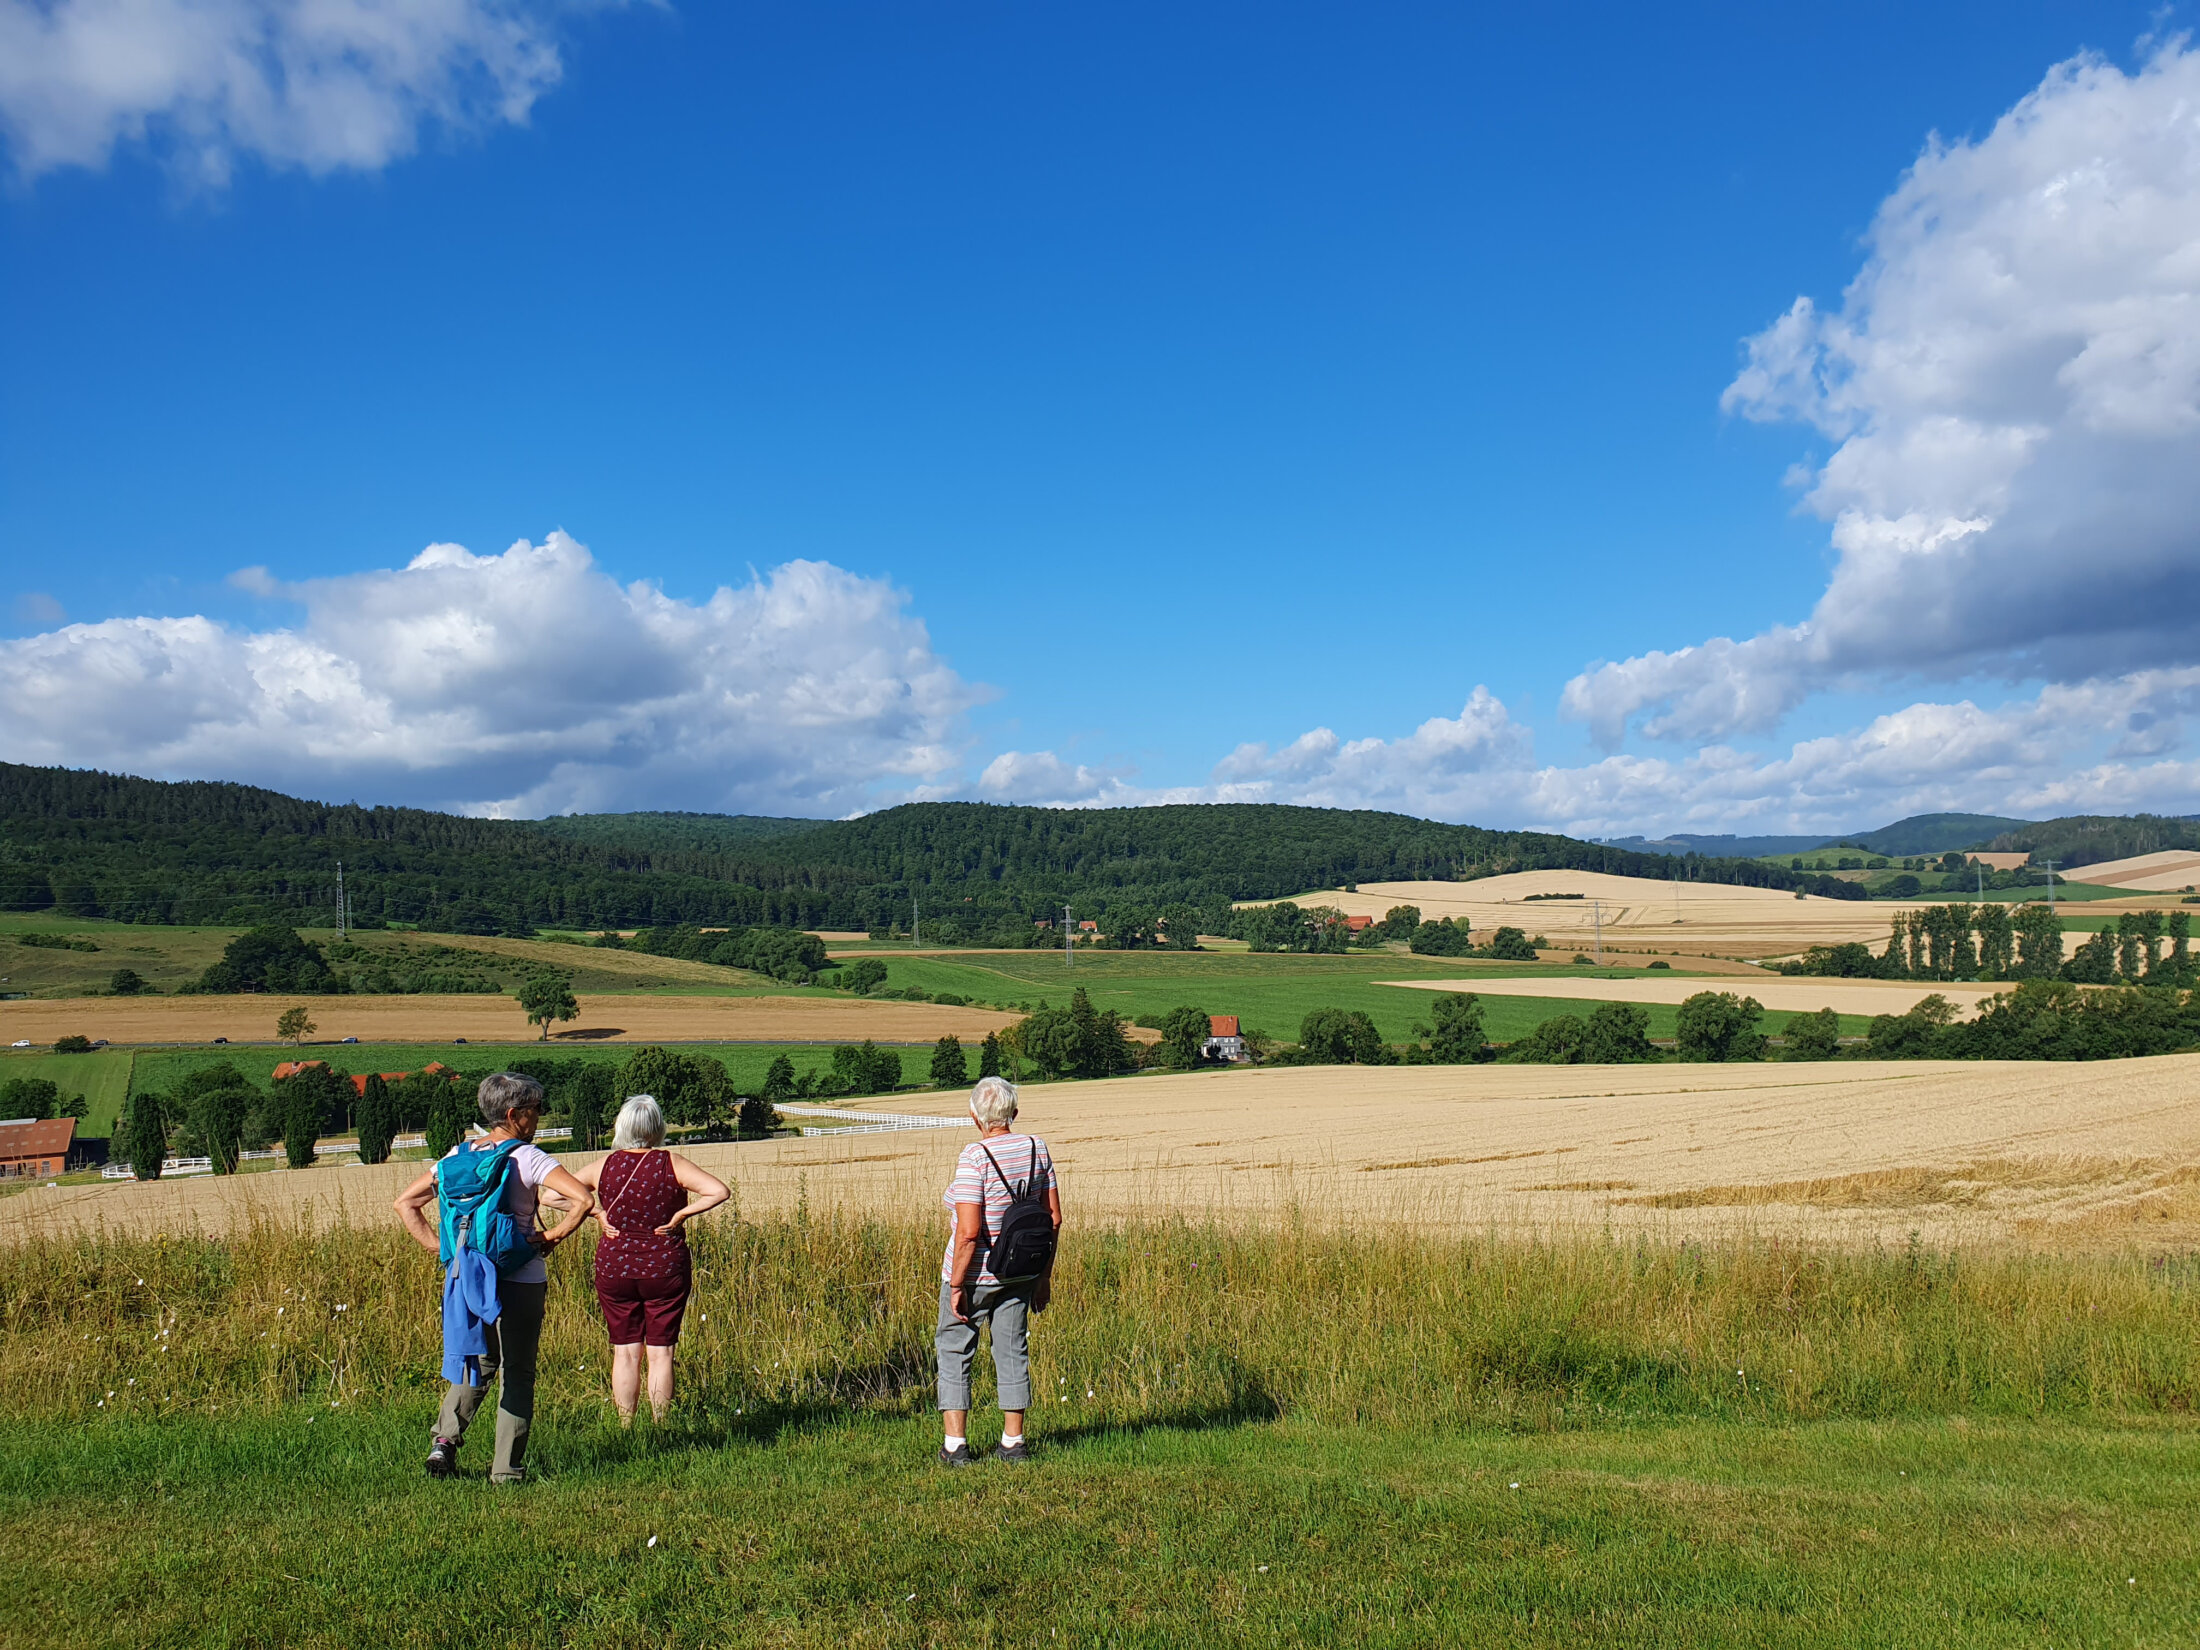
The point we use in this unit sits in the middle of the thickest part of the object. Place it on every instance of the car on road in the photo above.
(351, 1039)
(221, 1039)
(25, 1042)
(454, 1039)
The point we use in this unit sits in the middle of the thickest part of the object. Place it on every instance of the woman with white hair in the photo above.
(1006, 1213)
(645, 1194)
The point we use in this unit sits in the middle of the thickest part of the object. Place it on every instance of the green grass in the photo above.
(837, 1532)
(102, 1077)
(1274, 993)
(1469, 1441)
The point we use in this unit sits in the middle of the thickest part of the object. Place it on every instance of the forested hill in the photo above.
(140, 850)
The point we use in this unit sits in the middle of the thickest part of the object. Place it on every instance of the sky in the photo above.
(1610, 419)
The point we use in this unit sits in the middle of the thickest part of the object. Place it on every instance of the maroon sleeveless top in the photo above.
(638, 1193)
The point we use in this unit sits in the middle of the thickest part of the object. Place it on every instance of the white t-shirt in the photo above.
(531, 1166)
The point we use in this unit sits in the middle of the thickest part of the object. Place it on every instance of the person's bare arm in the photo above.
(963, 1266)
(578, 1201)
(412, 1206)
(705, 1192)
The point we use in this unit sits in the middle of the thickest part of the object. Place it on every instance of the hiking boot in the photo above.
(443, 1458)
(959, 1456)
(1013, 1449)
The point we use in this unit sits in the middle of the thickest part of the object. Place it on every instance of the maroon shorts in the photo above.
(643, 1309)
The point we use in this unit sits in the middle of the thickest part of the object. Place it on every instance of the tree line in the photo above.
(102, 845)
(1992, 942)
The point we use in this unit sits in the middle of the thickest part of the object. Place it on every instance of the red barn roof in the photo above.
(1222, 1025)
(31, 1137)
(1358, 923)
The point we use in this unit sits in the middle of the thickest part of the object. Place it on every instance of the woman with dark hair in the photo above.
(511, 1106)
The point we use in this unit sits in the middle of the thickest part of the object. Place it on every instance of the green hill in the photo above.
(137, 850)
(2089, 839)
(1931, 834)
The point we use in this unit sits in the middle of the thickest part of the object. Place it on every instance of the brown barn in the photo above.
(32, 1149)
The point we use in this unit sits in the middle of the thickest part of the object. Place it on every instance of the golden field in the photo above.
(2049, 1155)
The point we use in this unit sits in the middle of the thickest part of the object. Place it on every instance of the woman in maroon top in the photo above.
(644, 1195)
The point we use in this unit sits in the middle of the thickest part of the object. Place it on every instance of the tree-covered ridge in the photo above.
(99, 845)
(2090, 839)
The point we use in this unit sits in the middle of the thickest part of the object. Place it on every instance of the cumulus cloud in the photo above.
(522, 683)
(2012, 387)
(322, 85)
(2107, 745)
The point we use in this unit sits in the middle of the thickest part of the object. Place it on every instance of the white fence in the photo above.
(871, 1122)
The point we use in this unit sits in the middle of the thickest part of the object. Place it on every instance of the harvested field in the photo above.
(1773, 991)
(2167, 872)
(425, 1019)
(1638, 913)
(1849, 1153)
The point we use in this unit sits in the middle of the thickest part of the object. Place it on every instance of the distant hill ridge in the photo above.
(1919, 834)
(94, 844)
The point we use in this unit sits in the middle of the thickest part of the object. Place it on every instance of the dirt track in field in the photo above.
(2047, 1155)
(497, 1019)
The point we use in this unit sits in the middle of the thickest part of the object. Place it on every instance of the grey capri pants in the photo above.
(1007, 1307)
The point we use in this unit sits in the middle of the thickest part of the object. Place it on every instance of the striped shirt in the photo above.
(1022, 1157)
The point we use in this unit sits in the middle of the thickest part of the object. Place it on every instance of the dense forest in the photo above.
(135, 850)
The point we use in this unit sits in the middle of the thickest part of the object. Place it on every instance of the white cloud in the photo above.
(525, 683)
(2013, 385)
(322, 85)
(2102, 746)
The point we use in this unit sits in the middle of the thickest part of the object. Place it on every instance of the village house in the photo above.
(290, 1068)
(32, 1148)
(1224, 1040)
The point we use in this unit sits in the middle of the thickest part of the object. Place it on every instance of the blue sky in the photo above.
(1153, 387)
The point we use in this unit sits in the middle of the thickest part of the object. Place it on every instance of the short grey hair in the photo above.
(993, 1101)
(641, 1125)
(504, 1092)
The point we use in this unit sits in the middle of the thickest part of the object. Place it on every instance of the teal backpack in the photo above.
(469, 1186)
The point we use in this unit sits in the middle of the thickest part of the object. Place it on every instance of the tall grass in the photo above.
(1152, 1321)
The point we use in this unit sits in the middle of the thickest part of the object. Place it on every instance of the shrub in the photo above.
(1447, 937)
(1457, 1037)
(1659, 962)
(1340, 1037)
(1562, 1040)
(38, 1098)
(1719, 1026)
(1509, 945)
(691, 1088)
(73, 1045)
(127, 982)
(1813, 1036)
(1618, 1034)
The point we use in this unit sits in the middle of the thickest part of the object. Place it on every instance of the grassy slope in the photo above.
(197, 1446)
(102, 1078)
(1274, 993)
(840, 1534)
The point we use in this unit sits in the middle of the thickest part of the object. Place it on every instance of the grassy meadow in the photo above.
(1275, 992)
(1469, 1440)
(102, 1077)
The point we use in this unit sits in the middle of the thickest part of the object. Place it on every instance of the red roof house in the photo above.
(31, 1147)
(1222, 1025)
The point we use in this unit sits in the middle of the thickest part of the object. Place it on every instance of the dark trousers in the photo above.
(514, 1339)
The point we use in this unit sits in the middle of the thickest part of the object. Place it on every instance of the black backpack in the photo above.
(1024, 1246)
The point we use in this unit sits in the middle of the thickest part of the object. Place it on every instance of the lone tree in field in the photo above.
(989, 1055)
(296, 1025)
(950, 1066)
(548, 997)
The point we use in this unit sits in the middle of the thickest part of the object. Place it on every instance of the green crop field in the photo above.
(102, 1077)
(1274, 993)
(1572, 1442)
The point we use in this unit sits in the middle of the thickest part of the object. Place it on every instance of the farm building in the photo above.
(30, 1147)
(1359, 924)
(1224, 1040)
(290, 1068)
